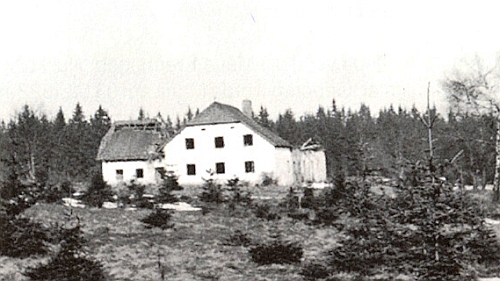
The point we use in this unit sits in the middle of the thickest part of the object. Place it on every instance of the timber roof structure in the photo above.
(131, 140)
(218, 113)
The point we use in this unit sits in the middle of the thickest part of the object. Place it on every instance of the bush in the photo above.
(308, 200)
(239, 238)
(276, 252)
(123, 194)
(168, 185)
(51, 194)
(137, 196)
(158, 218)
(326, 216)
(21, 237)
(264, 211)
(314, 271)
(98, 192)
(70, 263)
(237, 195)
(267, 180)
(291, 200)
(427, 230)
(212, 192)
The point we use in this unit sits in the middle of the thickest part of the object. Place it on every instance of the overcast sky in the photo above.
(168, 55)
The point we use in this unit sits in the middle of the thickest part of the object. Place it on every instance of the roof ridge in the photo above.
(219, 113)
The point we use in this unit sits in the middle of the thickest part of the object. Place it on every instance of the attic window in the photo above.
(219, 142)
(220, 168)
(139, 173)
(119, 174)
(247, 140)
(189, 143)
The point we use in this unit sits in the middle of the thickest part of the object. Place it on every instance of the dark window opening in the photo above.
(191, 169)
(189, 143)
(160, 173)
(119, 174)
(248, 140)
(220, 168)
(219, 142)
(139, 173)
(249, 167)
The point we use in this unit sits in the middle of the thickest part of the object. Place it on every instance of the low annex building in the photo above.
(130, 151)
(223, 142)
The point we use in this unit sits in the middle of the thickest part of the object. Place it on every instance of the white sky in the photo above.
(168, 55)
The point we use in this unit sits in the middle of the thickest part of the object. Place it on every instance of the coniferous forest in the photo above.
(51, 150)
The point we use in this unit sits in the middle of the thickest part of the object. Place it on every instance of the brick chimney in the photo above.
(246, 108)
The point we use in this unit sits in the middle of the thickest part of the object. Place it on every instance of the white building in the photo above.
(225, 142)
(129, 151)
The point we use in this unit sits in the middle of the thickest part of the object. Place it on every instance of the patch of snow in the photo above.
(109, 205)
(70, 202)
(317, 185)
(261, 197)
(490, 221)
(179, 206)
(78, 194)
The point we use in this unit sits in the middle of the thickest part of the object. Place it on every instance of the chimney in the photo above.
(246, 108)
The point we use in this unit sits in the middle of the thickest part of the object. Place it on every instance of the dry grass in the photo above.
(195, 249)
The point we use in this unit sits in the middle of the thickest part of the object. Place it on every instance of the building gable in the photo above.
(218, 113)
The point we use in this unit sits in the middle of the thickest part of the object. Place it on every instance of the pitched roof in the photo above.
(218, 113)
(129, 143)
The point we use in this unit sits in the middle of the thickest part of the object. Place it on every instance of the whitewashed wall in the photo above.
(233, 154)
(310, 165)
(129, 171)
(284, 166)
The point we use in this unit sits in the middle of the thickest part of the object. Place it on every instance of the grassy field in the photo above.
(196, 248)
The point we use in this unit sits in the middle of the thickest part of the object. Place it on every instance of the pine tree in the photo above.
(71, 262)
(141, 115)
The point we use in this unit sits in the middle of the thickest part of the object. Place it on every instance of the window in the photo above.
(160, 173)
(220, 168)
(249, 167)
(119, 174)
(191, 169)
(189, 143)
(139, 173)
(247, 140)
(219, 142)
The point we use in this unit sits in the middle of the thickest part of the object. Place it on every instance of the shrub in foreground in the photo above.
(265, 211)
(98, 192)
(158, 218)
(71, 262)
(212, 192)
(276, 252)
(21, 237)
(238, 238)
(428, 231)
(314, 271)
(168, 185)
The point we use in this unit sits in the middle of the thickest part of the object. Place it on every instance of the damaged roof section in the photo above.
(132, 140)
(312, 144)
